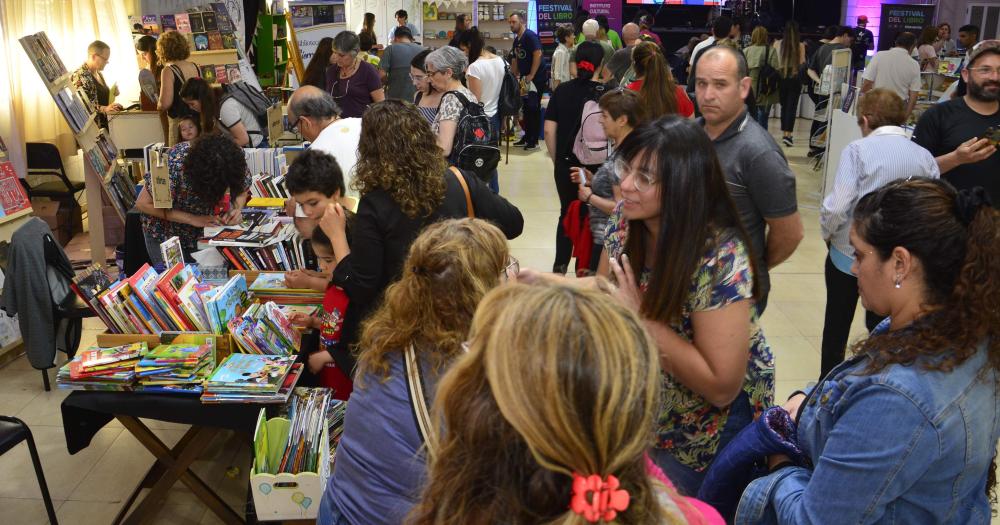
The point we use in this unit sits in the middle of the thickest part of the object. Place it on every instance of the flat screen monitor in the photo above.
(674, 2)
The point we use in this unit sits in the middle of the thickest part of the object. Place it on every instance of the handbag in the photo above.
(418, 400)
(465, 188)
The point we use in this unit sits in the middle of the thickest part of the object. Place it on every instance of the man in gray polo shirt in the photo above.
(760, 182)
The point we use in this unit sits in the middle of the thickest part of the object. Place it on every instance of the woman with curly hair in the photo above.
(380, 464)
(209, 182)
(557, 431)
(173, 49)
(404, 185)
(906, 430)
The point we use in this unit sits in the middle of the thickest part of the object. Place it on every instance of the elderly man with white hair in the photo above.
(592, 33)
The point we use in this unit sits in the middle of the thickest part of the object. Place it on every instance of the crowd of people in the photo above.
(480, 388)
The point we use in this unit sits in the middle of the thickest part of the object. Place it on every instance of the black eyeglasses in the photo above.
(293, 125)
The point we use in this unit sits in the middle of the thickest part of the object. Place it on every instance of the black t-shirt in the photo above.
(944, 127)
(565, 109)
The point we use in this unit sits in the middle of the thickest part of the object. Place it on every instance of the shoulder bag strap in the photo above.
(760, 70)
(465, 188)
(417, 399)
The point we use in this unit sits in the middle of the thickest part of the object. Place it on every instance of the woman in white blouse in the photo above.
(561, 56)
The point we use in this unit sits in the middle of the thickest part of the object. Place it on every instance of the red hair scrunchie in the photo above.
(596, 499)
(585, 65)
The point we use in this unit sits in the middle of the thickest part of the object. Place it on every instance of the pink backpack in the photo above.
(591, 144)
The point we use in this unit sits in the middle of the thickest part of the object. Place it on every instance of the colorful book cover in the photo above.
(230, 299)
(211, 24)
(12, 195)
(220, 74)
(208, 73)
(251, 373)
(168, 290)
(172, 252)
(200, 42)
(143, 283)
(215, 40)
(228, 40)
(168, 22)
(183, 23)
(95, 356)
(233, 73)
(222, 16)
(179, 353)
(193, 306)
(197, 23)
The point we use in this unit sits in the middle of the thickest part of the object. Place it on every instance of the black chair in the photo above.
(12, 432)
(44, 159)
(74, 331)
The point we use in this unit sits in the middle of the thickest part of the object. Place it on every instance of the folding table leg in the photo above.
(155, 472)
(177, 463)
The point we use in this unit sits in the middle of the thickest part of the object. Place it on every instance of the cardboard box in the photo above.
(57, 217)
(223, 343)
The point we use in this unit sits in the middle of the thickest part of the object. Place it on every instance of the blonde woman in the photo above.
(380, 464)
(173, 50)
(553, 403)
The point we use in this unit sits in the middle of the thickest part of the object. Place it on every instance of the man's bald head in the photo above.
(727, 54)
(630, 33)
(311, 109)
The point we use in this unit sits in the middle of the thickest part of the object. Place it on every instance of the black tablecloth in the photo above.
(84, 413)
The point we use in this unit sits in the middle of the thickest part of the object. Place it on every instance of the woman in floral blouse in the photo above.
(89, 79)
(680, 257)
(201, 173)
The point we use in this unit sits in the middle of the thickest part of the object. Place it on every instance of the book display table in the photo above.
(85, 413)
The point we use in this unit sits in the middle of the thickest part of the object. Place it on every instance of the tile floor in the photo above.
(91, 486)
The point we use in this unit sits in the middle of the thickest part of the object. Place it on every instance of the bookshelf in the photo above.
(271, 43)
(489, 17)
(99, 152)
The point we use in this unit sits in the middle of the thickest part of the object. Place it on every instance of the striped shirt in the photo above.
(867, 164)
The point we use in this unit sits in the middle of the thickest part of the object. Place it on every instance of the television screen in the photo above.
(674, 2)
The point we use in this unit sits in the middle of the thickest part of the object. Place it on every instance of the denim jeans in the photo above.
(328, 513)
(688, 480)
(761, 115)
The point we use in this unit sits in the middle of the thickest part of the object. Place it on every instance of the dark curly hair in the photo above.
(214, 164)
(317, 171)
(406, 163)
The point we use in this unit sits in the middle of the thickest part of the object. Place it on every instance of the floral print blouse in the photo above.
(185, 199)
(688, 425)
(96, 90)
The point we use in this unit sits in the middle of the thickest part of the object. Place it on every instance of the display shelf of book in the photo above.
(272, 48)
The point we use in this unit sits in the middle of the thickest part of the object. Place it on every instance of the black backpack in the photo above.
(768, 77)
(252, 98)
(509, 104)
(474, 148)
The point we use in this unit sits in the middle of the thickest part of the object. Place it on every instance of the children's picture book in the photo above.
(233, 73)
(183, 23)
(215, 40)
(172, 252)
(228, 301)
(208, 73)
(250, 373)
(200, 42)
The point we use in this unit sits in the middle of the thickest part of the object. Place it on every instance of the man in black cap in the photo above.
(864, 41)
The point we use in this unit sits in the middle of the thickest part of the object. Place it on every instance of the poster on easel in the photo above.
(13, 199)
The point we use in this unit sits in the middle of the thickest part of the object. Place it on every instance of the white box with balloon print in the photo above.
(285, 496)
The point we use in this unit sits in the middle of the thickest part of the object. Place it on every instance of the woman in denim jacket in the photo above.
(905, 431)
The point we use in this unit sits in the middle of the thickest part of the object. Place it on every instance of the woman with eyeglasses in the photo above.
(90, 79)
(445, 67)
(380, 462)
(404, 185)
(426, 98)
(680, 258)
(353, 82)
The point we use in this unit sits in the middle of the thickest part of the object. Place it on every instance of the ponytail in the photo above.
(658, 88)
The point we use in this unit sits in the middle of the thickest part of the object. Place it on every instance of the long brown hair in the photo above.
(451, 266)
(400, 155)
(198, 89)
(557, 381)
(960, 271)
(789, 56)
(315, 74)
(658, 91)
(695, 209)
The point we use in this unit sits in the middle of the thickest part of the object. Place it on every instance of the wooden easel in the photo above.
(294, 56)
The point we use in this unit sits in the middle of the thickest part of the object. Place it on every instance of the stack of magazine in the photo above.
(102, 368)
(177, 368)
(265, 329)
(300, 449)
(244, 378)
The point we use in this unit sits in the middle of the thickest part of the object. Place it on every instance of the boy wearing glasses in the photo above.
(961, 133)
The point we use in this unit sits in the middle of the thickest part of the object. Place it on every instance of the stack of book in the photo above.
(181, 368)
(267, 186)
(44, 57)
(102, 368)
(265, 329)
(266, 161)
(272, 287)
(153, 303)
(121, 189)
(273, 247)
(243, 378)
(308, 417)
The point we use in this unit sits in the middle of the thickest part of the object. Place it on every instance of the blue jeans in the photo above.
(329, 514)
(686, 479)
(761, 115)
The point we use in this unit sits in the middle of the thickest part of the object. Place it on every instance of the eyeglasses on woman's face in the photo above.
(640, 179)
(511, 270)
(418, 78)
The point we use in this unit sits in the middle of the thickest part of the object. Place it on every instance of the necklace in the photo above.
(354, 69)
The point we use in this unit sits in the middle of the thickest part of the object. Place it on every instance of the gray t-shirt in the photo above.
(760, 182)
(620, 62)
(602, 186)
(396, 64)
